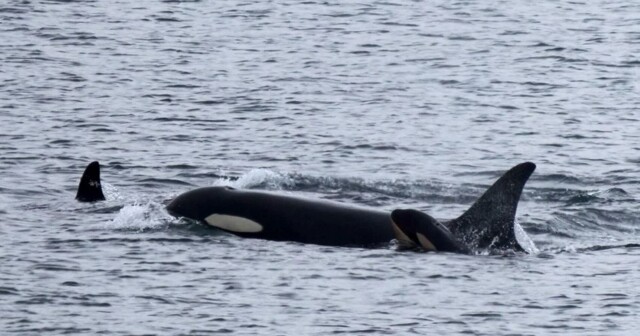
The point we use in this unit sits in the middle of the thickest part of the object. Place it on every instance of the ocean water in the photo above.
(383, 104)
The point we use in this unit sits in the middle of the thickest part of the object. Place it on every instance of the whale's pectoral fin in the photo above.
(90, 189)
(414, 228)
(489, 223)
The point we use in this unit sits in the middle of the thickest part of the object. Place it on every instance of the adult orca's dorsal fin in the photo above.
(90, 189)
(489, 223)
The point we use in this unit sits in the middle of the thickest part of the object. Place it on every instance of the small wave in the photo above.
(594, 248)
(562, 178)
(383, 192)
(574, 196)
(159, 181)
(9, 291)
(609, 247)
(602, 196)
(582, 197)
(257, 178)
(367, 192)
(139, 217)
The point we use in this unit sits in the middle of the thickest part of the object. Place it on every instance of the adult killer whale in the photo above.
(488, 223)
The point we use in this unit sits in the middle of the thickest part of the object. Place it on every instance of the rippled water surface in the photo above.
(383, 104)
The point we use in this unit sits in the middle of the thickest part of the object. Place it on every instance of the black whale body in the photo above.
(489, 223)
(288, 218)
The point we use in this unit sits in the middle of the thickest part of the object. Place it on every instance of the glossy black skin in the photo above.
(90, 189)
(288, 218)
(411, 222)
(488, 224)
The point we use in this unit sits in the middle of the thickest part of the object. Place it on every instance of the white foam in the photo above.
(257, 177)
(523, 238)
(139, 217)
(110, 192)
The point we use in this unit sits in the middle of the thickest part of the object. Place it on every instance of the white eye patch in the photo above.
(426, 243)
(403, 240)
(233, 223)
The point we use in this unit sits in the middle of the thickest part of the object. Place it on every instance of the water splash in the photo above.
(139, 217)
(257, 178)
(524, 240)
(111, 192)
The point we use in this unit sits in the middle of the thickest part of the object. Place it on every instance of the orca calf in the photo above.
(489, 223)
(414, 228)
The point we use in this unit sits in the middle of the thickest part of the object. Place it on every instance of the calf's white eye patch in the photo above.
(233, 223)
(401, 237)
(426, 243)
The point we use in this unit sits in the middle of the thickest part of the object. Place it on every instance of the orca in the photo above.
(90, 189)
(414, 228)
(487, 224)
(265, 215)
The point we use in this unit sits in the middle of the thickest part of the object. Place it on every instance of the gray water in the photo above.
(383, 104)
